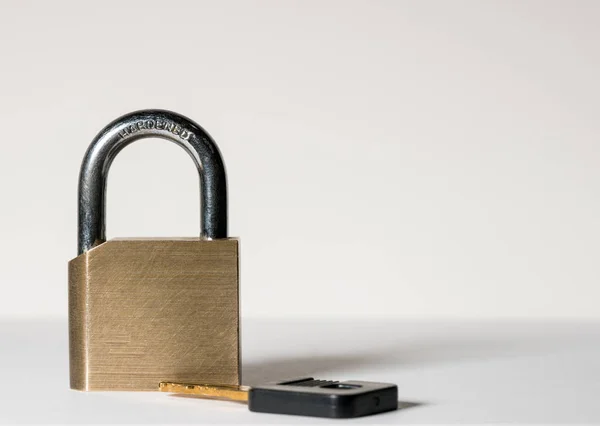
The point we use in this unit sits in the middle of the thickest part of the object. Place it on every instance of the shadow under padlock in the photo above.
(146, 310)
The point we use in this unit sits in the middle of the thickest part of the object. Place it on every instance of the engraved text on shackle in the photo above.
(156, 124)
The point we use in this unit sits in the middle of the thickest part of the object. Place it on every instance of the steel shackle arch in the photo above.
(142, 124)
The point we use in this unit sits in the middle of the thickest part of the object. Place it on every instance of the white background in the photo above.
(385, 159)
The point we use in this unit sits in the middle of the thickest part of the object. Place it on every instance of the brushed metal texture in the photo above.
(143, 311)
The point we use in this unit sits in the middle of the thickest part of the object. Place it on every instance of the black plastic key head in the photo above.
(324, 398)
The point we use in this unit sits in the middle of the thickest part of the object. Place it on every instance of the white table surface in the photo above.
(447, 372)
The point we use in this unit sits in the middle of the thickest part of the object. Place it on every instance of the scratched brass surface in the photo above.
(145, 311)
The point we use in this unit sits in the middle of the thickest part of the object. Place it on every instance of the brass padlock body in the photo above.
(144, 311)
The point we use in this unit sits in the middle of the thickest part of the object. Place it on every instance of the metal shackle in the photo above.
(142, 124)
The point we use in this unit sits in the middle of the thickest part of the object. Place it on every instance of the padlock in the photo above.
(147, 310)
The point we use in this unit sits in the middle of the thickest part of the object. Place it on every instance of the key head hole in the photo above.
(341, 386)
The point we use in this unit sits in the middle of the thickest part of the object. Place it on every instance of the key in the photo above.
(302, 397)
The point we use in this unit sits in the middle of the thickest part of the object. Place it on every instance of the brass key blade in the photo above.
(227, 392)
